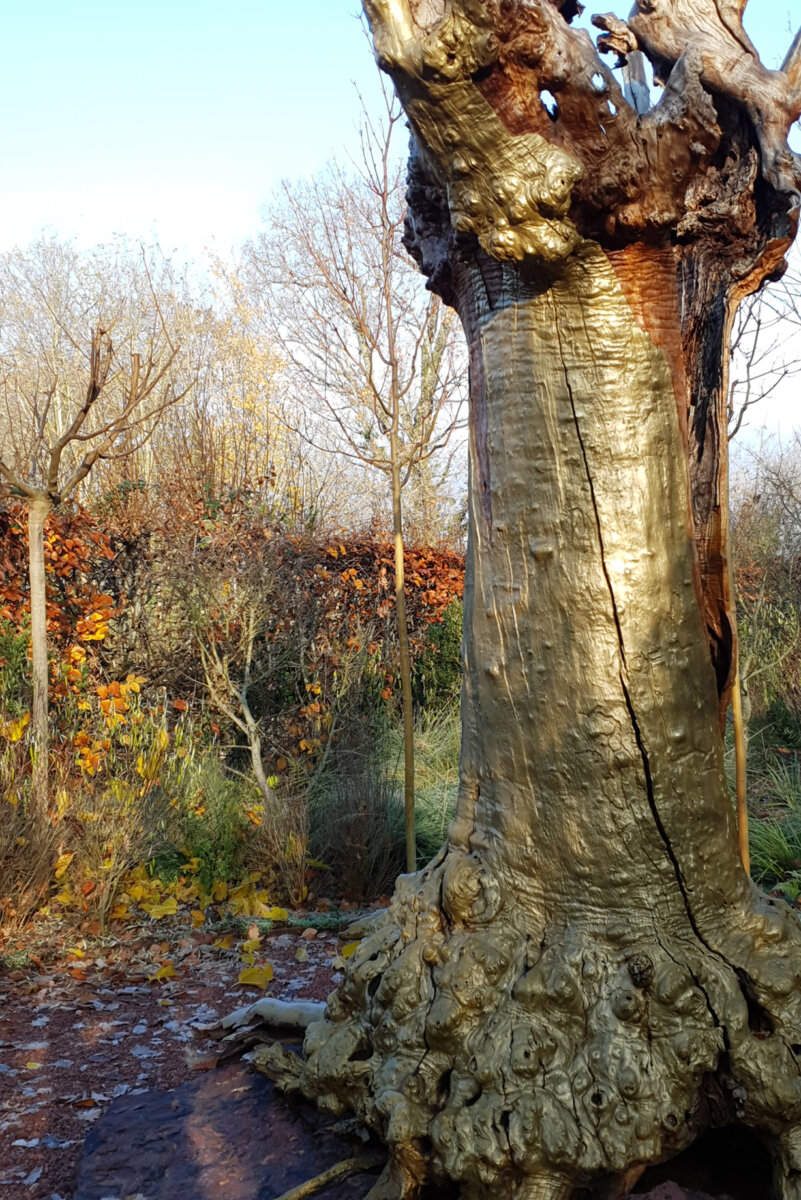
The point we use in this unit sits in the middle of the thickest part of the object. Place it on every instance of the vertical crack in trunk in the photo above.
(636, 729)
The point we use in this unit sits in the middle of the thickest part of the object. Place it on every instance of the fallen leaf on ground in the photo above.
(256, 976)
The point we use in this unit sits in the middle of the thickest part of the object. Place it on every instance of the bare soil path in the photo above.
(77, 1032)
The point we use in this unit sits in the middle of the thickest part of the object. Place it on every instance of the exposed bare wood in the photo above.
(792, 62)
(297, 1014)
(713, 35)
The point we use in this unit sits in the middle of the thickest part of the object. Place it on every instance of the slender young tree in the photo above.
(373, 354)
(585, 979)
(65, 409)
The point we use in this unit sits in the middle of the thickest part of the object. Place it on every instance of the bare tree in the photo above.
(65, 409)
(375, 359)
(765, 350)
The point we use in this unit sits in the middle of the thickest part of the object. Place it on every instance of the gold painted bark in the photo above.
(584, 979)
(545, 1005)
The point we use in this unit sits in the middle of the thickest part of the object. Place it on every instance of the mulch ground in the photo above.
(76, 1034)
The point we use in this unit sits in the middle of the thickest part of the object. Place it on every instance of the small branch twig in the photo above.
(342, 1170)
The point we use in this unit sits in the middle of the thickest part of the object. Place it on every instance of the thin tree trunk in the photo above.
(38, 509)
(405, 669)
(741, 769)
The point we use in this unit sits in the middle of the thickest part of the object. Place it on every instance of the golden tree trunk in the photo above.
(584, 979)
(546, 1004)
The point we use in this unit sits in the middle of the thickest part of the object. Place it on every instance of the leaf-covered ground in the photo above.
(86, 1019)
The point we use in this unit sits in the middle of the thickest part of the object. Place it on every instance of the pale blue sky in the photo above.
(178, 117)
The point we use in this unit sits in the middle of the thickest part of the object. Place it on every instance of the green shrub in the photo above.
(775, 839)
(209, 822)
(438, 668)
(436, 777)
(15, 671)
(356, 815)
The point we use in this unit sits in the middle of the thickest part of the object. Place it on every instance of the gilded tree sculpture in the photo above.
(584, 979)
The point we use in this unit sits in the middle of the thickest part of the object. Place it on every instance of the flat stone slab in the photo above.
(224, 1134)
(227, 1134)
(672, 1191)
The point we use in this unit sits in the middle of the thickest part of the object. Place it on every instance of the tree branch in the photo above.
(16, 485)
(792, 63)
(100, 365)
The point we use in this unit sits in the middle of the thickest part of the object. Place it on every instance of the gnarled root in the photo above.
(485, 1048)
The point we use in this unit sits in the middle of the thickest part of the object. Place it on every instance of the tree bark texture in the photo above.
(584, 979)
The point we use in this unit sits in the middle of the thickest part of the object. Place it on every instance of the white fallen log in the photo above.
(292, 1014)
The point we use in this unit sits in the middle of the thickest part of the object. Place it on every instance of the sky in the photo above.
(178, 118)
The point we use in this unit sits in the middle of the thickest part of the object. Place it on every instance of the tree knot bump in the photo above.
(641, 971)
(616, 38)
(519, 210)
(471, 894)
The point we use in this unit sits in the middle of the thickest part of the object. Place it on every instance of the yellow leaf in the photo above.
(275, 914)
(119, 912)
(33, 1066)
(224, 943)
(301, 954)
(137, 892)
(164, 908)
(62, 863)
(249, 957)
(65, 896)
(198, 918)
(165, 972)
(76, 951)
(349, 949)
(251, 944)
(219, 890)
(256, 976)
(13, 730)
